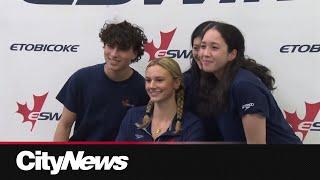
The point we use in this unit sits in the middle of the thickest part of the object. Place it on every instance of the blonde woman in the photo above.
(163, 118)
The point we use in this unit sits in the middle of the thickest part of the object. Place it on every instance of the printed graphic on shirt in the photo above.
(247, 106)
(126, 103)
(138, 136)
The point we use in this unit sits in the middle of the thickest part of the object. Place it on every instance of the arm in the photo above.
(65, 123)
(124, 128)
(195, 131)
(254, 128)
(251, 102)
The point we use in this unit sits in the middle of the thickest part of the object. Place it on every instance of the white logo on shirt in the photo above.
(247, 106)
(138, 136)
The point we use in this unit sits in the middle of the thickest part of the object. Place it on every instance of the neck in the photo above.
(163, 114)
(166, 110)
(218, 74)
(119, 75)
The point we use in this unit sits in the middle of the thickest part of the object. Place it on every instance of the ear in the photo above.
(135, 54)
(177, 83)
(232, 55)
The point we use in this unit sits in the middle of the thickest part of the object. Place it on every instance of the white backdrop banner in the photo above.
(44, 41)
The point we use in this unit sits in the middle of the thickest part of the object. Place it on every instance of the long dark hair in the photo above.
(214, 93)
(194, 68)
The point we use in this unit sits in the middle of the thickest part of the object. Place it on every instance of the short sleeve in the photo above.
(69, 95)
(249, 98)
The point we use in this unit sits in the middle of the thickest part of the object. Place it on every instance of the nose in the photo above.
(205, 51)
(151, 84)
(114, 52)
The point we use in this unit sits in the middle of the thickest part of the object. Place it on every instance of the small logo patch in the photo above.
(138, 136)
(247, 106)
(126, 103)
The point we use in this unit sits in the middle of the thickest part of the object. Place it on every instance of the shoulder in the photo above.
(91, 68)
(245, 75)
(134, 115)
(245, 79)
(136, 111)
(187, 76)
(137, 75)
(190, 119)
(85, 71)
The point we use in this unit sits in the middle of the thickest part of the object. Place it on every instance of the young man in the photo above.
(97, 97)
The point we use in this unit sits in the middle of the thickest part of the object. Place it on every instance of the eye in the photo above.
(203, 46)
(147, 80)
(109, 46)
(196, 48)
(159, 80)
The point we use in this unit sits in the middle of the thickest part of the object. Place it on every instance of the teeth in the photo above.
(115, 60)
(154, 91)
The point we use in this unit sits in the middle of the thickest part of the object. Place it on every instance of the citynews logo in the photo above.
(44, 47)
(36, 114)
(119, 2)
(27, 160)
(302, 126)
(162, 50)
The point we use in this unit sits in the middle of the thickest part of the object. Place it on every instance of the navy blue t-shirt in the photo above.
(99, 102)
(249, 95)
(192, 128)
(191, 84)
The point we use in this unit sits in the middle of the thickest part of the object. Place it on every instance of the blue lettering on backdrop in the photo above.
(101, 2)
(117, 2)
(62, 2)
(45, 47)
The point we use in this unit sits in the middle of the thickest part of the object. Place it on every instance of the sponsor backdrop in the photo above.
(44, 42)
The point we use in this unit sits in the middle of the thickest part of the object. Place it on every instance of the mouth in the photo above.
(114, 61)
(206, 62)
(153, 93)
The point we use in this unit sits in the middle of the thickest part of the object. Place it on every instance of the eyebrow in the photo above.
(155, 77)
(211, 43)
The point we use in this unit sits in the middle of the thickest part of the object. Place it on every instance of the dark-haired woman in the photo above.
(237, 91)
(192, 82)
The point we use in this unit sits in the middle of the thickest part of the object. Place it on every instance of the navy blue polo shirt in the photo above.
(249, 95)
(99, 102)
(192, 128)
(191, 84)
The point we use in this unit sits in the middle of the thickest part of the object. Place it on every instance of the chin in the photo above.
(205, 69)
(115, 68)
(155, 99)
(208, 69)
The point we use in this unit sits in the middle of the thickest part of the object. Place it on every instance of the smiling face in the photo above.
(195, 50)
(160, 85)
(214, 53)
(117, 59)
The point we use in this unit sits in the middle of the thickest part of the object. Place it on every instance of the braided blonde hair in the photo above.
(174, 69)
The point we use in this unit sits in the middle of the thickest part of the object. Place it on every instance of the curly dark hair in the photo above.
(124, 35)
